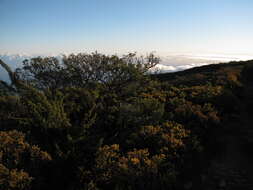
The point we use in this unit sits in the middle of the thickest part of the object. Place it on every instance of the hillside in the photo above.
(231, 166)
(102, 122)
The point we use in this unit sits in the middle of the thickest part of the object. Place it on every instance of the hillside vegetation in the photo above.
(97, 122)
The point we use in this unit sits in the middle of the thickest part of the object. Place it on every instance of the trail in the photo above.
(233, 168)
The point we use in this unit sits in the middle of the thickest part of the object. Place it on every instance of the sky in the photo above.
(121, 26)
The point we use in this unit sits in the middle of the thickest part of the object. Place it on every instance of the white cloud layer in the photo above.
(169, 63)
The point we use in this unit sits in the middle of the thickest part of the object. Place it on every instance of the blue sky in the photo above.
(120, 26)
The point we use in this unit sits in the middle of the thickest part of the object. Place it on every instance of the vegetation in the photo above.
(101, 122)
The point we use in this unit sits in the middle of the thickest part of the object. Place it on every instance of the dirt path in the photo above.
(233, 168)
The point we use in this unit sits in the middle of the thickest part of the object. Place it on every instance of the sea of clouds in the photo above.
(168, 63)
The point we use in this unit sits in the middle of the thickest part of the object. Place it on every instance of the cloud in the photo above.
(159, 68)
(173, 63)
(169, 62)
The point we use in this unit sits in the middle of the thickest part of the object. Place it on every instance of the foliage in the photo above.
(19, 160)
(104, 122)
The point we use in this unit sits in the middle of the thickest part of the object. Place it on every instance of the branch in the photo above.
(9, 71)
